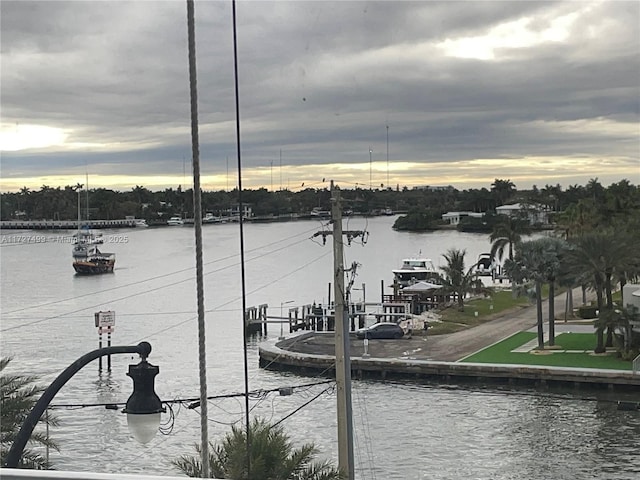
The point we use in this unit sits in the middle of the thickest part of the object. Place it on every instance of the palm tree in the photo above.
(272, 456)
(456, 281)
(19, 395)
(506, 233)
(502, 190)
(538, 261)
(595, 258)
(554, 251)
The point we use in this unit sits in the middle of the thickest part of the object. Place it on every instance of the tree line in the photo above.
(594, 246)
(425, 204)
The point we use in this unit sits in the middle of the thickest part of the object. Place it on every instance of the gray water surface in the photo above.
(401, 431)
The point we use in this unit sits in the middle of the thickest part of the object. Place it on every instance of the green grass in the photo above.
(576, 341)
(454, 320)
(501, 353)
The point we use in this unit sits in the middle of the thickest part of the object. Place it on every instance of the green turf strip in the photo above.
(576, 341)
(501, 352)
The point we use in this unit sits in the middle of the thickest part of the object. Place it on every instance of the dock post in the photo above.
(262, 317)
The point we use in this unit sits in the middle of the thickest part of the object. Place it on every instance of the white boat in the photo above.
(211, 218)
(140, 223)
(485, 265)
(175, 221)
(317, 212)
(413, 270)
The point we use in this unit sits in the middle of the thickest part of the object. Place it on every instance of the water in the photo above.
(401, 431)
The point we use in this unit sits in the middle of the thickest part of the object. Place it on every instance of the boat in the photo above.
(140, 223)
(485, 265)
(211, 218)
(175, 221)
(88, 236)
(413, 270)
(87, 257)
(95, 262)
(317, 212)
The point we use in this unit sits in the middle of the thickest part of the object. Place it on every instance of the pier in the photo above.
(312, 317)
(64, 224)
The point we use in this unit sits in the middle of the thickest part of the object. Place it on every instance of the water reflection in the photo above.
(402, 431)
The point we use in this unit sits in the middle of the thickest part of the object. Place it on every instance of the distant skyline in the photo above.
(535, 92)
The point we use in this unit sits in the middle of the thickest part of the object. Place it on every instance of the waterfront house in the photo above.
(536, 214)
(454, 217)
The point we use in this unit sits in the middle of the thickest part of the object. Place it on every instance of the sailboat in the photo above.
(87, 257)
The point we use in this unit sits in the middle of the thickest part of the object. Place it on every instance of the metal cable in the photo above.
(195, 147)
(241, 212)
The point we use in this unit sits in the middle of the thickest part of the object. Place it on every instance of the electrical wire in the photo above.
(164, 275)
(35, 322)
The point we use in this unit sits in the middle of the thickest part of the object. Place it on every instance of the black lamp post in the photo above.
(143, 407)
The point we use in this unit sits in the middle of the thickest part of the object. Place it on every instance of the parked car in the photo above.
(381, 330)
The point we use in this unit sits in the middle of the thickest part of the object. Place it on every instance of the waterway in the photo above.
(401, 431)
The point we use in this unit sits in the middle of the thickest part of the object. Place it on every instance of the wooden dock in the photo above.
(320, 318)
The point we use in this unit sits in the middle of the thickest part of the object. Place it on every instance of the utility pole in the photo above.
(343, 360)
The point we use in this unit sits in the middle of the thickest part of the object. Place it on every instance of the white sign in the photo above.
(105, 319)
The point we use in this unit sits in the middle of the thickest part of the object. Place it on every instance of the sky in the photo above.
(363, 93)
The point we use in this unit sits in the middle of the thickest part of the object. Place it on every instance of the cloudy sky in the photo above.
(537, 92)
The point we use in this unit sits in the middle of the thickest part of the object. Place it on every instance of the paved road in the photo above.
(449, 348)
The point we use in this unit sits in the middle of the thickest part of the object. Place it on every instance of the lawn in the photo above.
(501, 352)
(454, 320)
(576, 341)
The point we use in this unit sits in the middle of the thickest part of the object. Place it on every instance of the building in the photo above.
(535, 213)
(454, 217)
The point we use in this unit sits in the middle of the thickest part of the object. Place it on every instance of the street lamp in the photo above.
(143, 407)
(281, 337)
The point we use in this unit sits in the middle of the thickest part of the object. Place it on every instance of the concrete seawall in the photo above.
(273, 357)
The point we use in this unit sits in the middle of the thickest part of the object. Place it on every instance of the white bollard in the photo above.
(366, 348)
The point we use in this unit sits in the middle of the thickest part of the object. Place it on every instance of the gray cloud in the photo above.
(320, 80)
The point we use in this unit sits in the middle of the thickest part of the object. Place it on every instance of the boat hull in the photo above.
(85, 267)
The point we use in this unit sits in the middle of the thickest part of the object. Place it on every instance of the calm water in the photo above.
(401, 431)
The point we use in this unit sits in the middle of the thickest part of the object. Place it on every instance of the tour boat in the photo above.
(87, 257)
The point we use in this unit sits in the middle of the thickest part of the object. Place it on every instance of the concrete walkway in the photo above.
(446, 348)
(458, 345)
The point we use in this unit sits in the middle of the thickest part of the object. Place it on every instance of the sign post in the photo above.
(106, 323)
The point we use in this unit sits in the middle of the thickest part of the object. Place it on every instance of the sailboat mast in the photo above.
(87, 195)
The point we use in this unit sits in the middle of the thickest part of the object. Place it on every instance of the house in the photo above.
(631, 297)
(454, 217)
(535, 213)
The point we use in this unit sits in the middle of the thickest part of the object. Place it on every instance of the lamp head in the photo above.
(144, 407)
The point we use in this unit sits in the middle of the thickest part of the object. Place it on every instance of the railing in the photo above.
(636, 365)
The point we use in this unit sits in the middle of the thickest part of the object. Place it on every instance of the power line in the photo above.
(157, 277)
(35, 322)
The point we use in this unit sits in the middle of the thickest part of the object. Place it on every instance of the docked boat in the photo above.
(175, 221)
(317, 212)
(415, 270)
(211, 218)
(140, 223)
(485, 265)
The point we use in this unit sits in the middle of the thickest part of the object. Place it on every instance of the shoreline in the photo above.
(438, 358)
